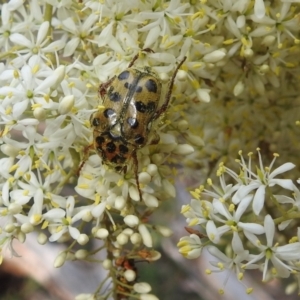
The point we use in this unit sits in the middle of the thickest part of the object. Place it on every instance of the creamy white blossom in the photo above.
(236, 89)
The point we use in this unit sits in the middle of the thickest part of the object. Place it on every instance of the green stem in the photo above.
(286, 217)
(48, 17)
(11, 52)
(66, 179)
(102, 284)
(274, 200)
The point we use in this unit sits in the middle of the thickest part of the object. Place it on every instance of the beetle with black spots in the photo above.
(129, 107)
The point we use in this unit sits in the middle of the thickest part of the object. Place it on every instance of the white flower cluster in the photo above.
(55, 54)
(230, 215)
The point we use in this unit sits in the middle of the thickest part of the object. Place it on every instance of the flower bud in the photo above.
(9, 150)
(203, 95)
(248, 52)
(87, 217)
(116, 252)
(195, 139)
(21, 236)
(264, 69)
(152, 169)
(9, 228)
(42, 238)
(183, 125)
(131, 220)
(181, 75)
(157, 158)
(135, 238)
(238, 88)
(66, 104)
(164, 231)
(81, 254)
(183, 149)
(128, 231)
(39, 113)
(129, 275)
(14, 208)
(122, 239)
(169, 188)
(142, 287)
(134, 193)
(120, 203)
(146, 236)
(82, 239)
(214, 56)
(144, 178)
(102, 233)
(164, 77)
(59, 73)
(150, 200)
(107, 264)
(60, 260)
(268, 40)
(27, 228)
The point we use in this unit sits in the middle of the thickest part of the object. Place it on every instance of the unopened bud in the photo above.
(129, 275)
(131, 220)
(66, 104)
(146, 236)
(183, 149)
(81, 254)
(164, 231)
(214, 56)
(122, 239)
(135, 238)
(27, 228)
(42, 238)
(60, 260)
(39, 113)
(107, 264)
(102, 233)
(142, 287)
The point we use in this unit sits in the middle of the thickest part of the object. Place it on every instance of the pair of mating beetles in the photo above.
(130, 105)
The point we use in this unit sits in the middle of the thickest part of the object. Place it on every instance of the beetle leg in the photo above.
(85, 157)
(164, 107)
(103, 87)
(137, 56)
(154, 139)
(136, 167)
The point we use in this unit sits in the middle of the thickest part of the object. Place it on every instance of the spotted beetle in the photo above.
(129, 107)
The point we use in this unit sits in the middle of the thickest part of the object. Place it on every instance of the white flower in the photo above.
(264, 178)
(225, 263)
(66, 225)
(274, 253)
(35, 46)
(198, 212)
(232, 221)
(79, 32)
(190, 246)
(160, 25)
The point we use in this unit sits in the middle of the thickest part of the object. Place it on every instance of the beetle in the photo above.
(129, 107)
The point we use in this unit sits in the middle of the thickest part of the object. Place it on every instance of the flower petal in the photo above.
(259, 199)
(269, 230)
